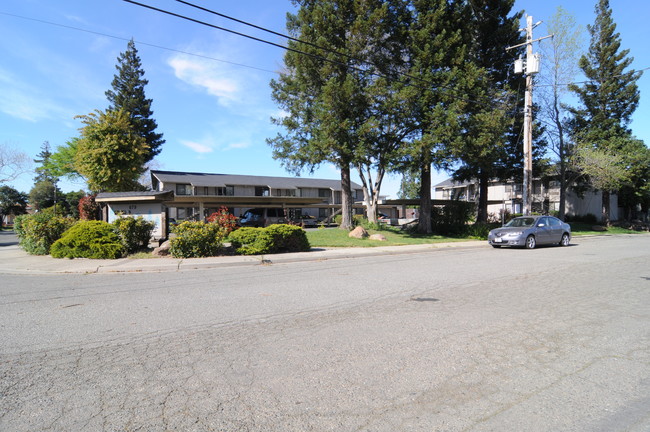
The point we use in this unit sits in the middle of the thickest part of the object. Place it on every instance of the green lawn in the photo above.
(579, 228)
(334, 237)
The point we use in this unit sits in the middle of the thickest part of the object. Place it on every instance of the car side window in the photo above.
(542, 222)
(553, 222)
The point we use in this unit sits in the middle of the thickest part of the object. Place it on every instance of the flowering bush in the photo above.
(223, 218)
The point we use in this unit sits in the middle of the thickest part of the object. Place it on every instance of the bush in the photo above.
(588, 218)
(39, 231)
(133, 233)
(89, 239)
(223, 218)
(197, 239)
(452, 218)
(288, 238)
(273, 239)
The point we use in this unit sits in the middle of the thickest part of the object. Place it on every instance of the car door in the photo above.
(555, 230)
(542, 231)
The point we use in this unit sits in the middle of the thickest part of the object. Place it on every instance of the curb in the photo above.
(13, 260)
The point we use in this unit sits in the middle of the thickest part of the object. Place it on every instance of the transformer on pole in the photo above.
(528, 66)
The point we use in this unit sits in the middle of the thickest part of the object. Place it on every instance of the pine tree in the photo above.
(331, 90)
(128, 94)
(609, 97)
(43, 172)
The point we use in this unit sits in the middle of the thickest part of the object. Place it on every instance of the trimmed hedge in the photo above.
(272, 239)
(89, 239)
(39, 231)
(197, 239)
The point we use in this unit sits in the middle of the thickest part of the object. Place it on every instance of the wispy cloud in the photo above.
(207, 75)
(238, 145)
(197, 147)
(23, 101)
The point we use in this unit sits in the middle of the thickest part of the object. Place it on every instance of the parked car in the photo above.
(305, 221)
(530, 231)
(261, 217)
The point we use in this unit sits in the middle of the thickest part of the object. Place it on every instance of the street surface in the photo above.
(464, 339)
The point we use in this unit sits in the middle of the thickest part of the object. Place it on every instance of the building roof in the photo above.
(134, 196)
(451, 183)
(221, 180)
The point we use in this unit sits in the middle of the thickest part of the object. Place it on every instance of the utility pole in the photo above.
(530, 67)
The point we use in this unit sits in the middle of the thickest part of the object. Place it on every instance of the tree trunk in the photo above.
(346, 198)
(605, 216)
(424, 223)
(483, 184)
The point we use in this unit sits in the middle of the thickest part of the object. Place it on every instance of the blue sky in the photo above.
(210, 89)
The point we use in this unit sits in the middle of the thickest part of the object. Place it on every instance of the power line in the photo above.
(315, 56)
(139, 42)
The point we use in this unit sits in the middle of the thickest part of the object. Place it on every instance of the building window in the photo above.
(183, 189)
(322, 213)
(324, 193)
(230, 190)
(261, 191)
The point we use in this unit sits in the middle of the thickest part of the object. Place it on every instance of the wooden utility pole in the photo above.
(530, 67)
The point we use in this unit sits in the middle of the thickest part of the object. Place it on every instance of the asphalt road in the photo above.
(553, 339)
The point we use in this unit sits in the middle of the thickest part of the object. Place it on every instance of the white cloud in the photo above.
(197, 147)
(238, 145)
(207, 75)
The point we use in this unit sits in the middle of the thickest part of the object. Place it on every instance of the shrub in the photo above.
(252, 241)
(452, 218)
(196, 240)
(88, 208)
(223, 218)
(288, 238)
(89, 239)
(272, 239)
(588, 218)
(39, 231)
(480, 231)
(133, 233)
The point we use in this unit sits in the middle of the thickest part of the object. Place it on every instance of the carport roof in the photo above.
(221, 180)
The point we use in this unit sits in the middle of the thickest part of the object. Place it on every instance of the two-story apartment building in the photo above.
(188, 195)
(508, 196)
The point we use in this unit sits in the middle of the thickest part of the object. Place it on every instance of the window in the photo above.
(183, 189)
(322, 213)
(261, 191)
(324, 193)
(230, 190)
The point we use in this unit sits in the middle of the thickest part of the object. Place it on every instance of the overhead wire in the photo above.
(138, 41)
(336, 62)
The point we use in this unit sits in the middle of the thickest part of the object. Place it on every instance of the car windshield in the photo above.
(521, 222)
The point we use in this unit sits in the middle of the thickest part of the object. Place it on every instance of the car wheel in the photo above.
(496, 246)
(530, 242)
(565, 240)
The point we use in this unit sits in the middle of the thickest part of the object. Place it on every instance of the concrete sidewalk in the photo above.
(14, 260)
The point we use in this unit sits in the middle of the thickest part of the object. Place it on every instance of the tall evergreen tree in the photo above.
(435, 101)
(128, 94)
(330, 89)
(43, 171)
(609, 97)
(491, 146)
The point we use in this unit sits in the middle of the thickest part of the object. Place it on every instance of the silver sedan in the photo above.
(530, 231)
